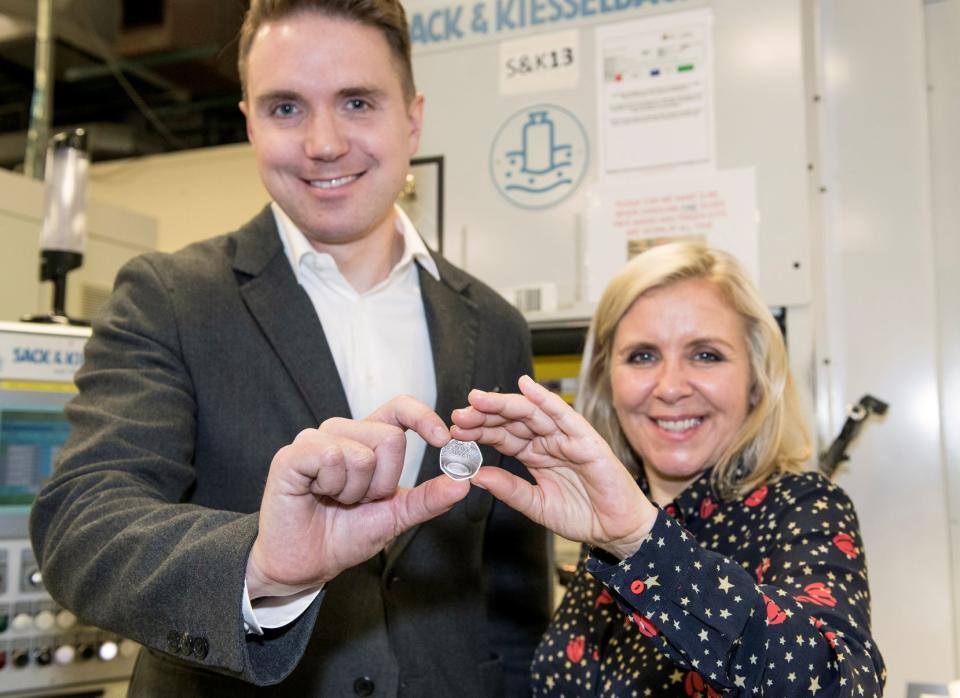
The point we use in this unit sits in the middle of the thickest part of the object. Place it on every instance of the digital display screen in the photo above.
(29, 442)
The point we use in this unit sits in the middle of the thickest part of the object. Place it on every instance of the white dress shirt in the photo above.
(381, 346)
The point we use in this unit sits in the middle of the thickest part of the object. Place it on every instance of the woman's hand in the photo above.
(582, 491)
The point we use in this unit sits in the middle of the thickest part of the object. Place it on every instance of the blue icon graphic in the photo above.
(539, 156)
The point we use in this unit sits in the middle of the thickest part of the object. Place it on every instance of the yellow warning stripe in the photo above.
(46, 386)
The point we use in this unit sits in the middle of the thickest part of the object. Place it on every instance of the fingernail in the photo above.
(477, 484)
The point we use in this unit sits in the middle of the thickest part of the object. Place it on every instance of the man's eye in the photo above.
(285, 109)
(357, 104)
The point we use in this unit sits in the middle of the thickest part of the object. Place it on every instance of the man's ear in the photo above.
(244, 109)
(415, 115)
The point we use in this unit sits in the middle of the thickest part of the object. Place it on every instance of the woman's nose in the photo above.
(325, 138)
(673, 383)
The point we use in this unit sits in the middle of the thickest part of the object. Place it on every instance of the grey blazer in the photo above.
(203, 365)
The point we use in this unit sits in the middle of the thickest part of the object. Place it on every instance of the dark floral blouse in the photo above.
(766, 596)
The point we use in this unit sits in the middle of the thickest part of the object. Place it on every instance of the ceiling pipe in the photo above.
(42, 103)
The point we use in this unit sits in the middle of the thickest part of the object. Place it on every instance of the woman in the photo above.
(715, 565)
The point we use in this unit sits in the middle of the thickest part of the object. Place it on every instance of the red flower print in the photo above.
(645, 624)
(637, 586)
(818, 593)
(762, 568)
(575, 648)
(829, 634)
(693, 684)
(707, 507)
(775, 615)
(844, 541)
(603, 599)
(671, 509)
(757, 496)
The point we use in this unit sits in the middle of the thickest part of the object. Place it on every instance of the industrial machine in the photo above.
(44, 649)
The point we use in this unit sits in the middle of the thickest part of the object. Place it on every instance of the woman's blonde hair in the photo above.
(774, 438)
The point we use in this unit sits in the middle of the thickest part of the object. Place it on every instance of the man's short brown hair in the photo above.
(386, 15)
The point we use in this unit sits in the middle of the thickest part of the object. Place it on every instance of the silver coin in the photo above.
(460, 460)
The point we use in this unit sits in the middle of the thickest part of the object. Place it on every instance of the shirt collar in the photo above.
(297, 247)
(691, 501)
(414, 248)
(688, 503)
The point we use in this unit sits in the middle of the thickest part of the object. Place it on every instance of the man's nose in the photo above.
(673, 382)
(325, 138)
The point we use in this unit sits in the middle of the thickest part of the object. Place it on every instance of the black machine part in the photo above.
(856, 416)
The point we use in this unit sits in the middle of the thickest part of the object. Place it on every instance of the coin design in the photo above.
(460, 460)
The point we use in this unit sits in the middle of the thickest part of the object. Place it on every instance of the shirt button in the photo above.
(173, 642)
(186, 644)
(364, 686)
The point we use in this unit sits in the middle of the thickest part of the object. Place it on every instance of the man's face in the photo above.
(330, 128)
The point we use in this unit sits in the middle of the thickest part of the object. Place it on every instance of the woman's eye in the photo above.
(709, 356)
(641, 357)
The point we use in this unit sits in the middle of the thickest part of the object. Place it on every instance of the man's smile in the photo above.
(332, 183)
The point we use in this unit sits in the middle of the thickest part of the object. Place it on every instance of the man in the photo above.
(198, 509)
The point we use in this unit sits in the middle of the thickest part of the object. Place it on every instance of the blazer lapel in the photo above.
(286, 316)
(453, 323)
(288, 319)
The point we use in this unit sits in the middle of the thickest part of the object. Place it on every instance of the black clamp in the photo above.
(856, 416)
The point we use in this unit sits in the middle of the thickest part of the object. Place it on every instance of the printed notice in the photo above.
(630, 216)
(655, 92)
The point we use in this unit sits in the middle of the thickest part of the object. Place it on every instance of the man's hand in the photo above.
(331, 500)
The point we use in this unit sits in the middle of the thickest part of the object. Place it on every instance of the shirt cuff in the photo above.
(274, 611)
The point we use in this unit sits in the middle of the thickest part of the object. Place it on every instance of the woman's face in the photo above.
(680, 379)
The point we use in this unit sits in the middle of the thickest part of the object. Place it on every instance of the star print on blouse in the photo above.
(766, 596)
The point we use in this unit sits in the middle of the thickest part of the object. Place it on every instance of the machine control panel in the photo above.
(43, 645)
(44, 648)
